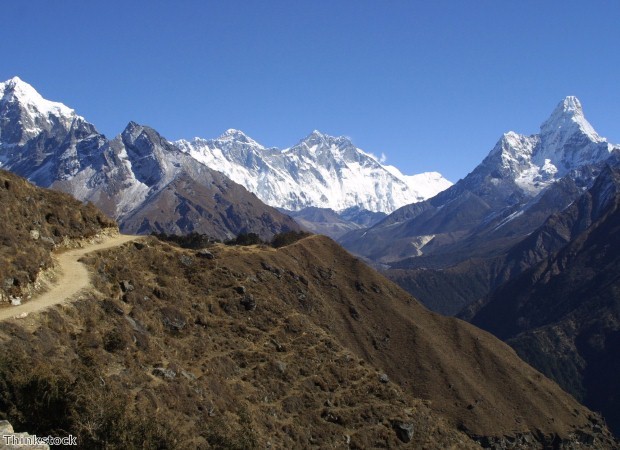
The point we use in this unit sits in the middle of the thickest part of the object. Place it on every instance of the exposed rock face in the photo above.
(501, 200)
(49, 144)
(448, 251)
(206, 202)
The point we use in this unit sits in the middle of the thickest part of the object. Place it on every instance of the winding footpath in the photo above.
(73, 277)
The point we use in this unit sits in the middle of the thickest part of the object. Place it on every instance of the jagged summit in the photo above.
(567, 119)
(523, 179)
(12, 82)
(17, 90)
(236, 135)
(231, 138)
(566, 142)
(317, 137)
(320, 170)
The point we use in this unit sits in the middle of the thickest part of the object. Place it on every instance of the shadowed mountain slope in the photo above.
(563, 315)
(449, 251)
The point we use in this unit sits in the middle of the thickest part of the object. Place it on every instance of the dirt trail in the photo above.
(73, 277)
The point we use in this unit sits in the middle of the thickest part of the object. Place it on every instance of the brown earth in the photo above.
(166, 356)
(34, 222)
(72, 277)
(300, 347)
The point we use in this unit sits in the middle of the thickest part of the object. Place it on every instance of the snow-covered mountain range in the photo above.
(319, 171)
(139, 177)
(52, 146)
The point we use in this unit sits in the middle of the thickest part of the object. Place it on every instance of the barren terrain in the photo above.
(73, 277)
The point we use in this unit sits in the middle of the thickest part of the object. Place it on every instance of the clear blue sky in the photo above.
(432, 84)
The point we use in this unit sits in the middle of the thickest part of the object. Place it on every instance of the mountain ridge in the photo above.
(561, 314)
(52, 146)
(504, 186)
(319, 171)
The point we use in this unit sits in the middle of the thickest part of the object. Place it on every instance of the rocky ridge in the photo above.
(52, 146)
(319, 171)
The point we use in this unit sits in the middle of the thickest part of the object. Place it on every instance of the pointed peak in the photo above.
(133, 130)
(17, 89)
(571, 104)
(131, 127)
(317, 136)
(568, 118)
(235, 135)
(569, 107)
(12, 82)
(232, 133)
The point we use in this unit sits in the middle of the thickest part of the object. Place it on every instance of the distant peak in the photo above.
(132, 127)
(233, 134)
(316, 136)
(19, 87)
(12, 82)
(132, 130)
(567, 118)
(570, 106)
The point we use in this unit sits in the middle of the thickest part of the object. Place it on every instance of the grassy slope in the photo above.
(179, 351)
(53, 216)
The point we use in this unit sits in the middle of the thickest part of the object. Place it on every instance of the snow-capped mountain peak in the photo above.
(233, 135)
(566, 120)
(316, 138)
(323, 145)
(320, 170)
(17, 90)
(566, 142)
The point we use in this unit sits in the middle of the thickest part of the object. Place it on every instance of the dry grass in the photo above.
(169, 340)
(179, 350)
(34, 222)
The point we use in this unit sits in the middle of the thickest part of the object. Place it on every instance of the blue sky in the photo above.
(431, 84)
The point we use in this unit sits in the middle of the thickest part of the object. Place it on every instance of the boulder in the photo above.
(248, 302)
(404, 430)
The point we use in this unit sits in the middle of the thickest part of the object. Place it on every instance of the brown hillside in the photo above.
(471, 377)
(35, 221)
(171, 354)
(260, 347)
(207, 203)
